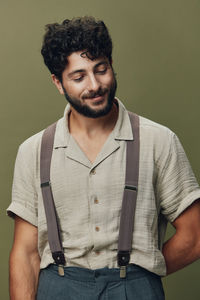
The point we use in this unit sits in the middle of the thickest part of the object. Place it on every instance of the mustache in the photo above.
(99, 93)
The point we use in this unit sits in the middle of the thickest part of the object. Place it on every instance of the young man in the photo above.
(87, 179)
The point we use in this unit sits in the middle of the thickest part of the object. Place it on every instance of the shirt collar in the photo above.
(121, 131)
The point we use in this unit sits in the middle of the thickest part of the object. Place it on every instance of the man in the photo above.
(87, 179)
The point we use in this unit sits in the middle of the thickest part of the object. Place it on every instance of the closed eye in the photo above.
(101, 71)
(78, 79)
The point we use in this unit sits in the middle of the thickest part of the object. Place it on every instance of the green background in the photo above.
(156, 58)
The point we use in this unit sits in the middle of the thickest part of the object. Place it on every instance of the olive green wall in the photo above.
(156, 57)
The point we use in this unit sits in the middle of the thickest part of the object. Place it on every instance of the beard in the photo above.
(85, 109)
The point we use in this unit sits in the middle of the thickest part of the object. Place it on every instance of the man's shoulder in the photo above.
(156, 139)
(33, 142)
(155, 134)
(148, 126)
(34, 139)
(151, 131)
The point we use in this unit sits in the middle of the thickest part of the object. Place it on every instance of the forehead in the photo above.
(76, 61)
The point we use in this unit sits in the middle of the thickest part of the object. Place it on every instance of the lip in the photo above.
(98, 98)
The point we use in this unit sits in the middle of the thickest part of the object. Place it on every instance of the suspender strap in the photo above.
(50, 210)
(129, 196)
(128, 203)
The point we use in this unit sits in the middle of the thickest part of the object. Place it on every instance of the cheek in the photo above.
(74, 90)
(108, 80)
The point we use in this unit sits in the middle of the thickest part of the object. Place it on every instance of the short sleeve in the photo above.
(177, 187)
(24, 195)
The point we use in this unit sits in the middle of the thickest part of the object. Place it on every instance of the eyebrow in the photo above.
(104, 62)
(75, 72)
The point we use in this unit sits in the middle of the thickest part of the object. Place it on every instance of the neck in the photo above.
(90, 126)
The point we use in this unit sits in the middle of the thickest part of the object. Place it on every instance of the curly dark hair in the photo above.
(77, 34)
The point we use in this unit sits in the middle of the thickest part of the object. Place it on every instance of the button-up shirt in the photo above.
(88, 196)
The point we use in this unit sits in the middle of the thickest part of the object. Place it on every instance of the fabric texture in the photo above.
(88, 197)
(100, 284)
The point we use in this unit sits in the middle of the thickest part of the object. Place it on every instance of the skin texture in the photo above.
(82, 79)
(89, 85)
(91, 133)
(101, 68)
(24, 262)
(184, 246)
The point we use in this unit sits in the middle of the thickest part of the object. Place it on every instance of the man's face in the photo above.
(88, 85)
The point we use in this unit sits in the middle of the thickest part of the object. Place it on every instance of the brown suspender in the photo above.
(129, 197)
(49, 206)
(128, 203)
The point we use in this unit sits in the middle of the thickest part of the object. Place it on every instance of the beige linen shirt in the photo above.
(88, 196)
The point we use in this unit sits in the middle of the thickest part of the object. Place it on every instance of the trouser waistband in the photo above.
(104, 274)
(100, 284)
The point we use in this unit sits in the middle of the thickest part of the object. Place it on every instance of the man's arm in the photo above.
(24, 262)
(184, 246)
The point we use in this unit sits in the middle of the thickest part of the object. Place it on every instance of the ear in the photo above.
(57, 83)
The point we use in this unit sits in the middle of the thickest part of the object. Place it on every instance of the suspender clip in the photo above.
(123, 258)
(59, 259)
(123, 272)
(61, 271)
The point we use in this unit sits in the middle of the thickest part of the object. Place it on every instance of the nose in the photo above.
(93, 83)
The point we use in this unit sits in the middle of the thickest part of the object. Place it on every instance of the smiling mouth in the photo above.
(98, 98)
(96, 95)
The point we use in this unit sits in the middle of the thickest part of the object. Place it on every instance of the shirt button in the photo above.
(93, 172)
(97, 228)
(96, 201)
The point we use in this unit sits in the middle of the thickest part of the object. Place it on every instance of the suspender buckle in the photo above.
(48, 183)
(131, 187)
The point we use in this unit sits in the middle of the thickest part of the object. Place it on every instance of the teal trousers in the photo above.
(99, 284)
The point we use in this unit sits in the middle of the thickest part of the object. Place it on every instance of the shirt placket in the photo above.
(96, 222)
